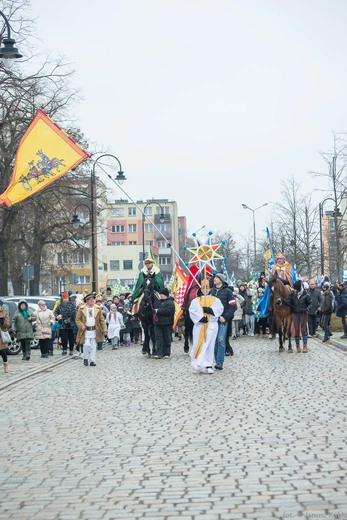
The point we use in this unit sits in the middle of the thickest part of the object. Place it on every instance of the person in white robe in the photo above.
(204, 311)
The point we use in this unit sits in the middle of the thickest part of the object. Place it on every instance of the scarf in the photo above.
(205, 301)
(25, 313)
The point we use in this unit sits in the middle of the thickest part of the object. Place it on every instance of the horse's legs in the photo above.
(145, 346)
(280, 335)
(289, 333)
(152, 338)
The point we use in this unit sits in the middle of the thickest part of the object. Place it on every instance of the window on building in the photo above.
(148, 211)
(167, 277)
(80, 257)
(117, 229)
(131, 212)
(132, 228)
(165, 210)
(83, 279)
(164, 227)
(149, 242)
(164, 260)
(132, 243)
(332, 224)
(148, 228)
(62, 258)
(161, 243)
(117, 243)
(127, 264)
(114, 265)
(117, 212)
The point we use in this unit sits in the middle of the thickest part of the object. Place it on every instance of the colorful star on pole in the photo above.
(205, 254)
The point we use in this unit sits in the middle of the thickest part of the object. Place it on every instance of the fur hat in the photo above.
(149, 261)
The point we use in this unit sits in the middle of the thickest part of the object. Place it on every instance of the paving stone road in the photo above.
(143, 438)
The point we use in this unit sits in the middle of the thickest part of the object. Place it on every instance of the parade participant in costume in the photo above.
(149, 270)
(165, 311)
(91, 328)
(204, 311)
(282, 269)
(115, 323)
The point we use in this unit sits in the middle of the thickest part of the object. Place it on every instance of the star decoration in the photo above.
(205, 254)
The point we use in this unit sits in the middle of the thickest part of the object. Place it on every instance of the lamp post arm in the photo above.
(106, 155)
(7, 25)
(85, 206)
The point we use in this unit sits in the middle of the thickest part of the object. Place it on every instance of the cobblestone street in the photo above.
(144, 438)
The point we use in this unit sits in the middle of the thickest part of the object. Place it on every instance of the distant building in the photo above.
(131, 237)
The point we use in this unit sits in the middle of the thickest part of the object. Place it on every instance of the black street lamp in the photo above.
(8, 52)
(254, 235)
(76, 222)
(161, 218)
(120, 179)
(321, 205)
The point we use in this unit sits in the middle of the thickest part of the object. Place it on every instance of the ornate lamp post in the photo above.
(8, 52)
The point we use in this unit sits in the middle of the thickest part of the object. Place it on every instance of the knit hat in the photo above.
(261, 290)
(221, 277)
(113, 306)
(297, 285)
(65, 295)
(165, 291)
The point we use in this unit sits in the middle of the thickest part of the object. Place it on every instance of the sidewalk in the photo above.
(335, 340)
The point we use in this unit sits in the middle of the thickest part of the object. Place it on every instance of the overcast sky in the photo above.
(208, 102)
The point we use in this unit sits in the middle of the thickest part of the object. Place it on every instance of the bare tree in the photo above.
(47, 86)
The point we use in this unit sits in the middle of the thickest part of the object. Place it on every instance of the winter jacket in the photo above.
(341, 309)
(23, 326)
(165, 310)
(300, 303)
(225, 295)
(327, 305)
(65, 310)
(100, 325)
(4, 325)
(239, 310)
(44, 319)
(249, 307)
(127, 322)
(158, 281)
(317, 298)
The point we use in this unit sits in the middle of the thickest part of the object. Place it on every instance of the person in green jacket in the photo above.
(22, 325)
(149, 270)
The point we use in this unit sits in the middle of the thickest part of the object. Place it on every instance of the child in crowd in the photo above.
(114, 321)
(127, 324)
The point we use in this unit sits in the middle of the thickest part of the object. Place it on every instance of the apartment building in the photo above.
(134, 232)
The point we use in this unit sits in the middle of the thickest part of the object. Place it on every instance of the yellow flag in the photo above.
(44, 154)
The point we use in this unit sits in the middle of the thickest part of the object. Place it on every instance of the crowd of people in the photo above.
(219, 313)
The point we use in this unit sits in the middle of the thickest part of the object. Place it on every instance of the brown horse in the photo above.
(281, 313)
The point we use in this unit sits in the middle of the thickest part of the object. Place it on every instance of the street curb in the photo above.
(35, 371)
(333, 342)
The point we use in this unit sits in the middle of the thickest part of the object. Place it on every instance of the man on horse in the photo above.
(282, 269)
(150, 270)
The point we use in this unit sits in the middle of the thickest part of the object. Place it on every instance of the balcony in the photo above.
(164, 251)
(166, 234)
(157, 218)
(166, 269)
